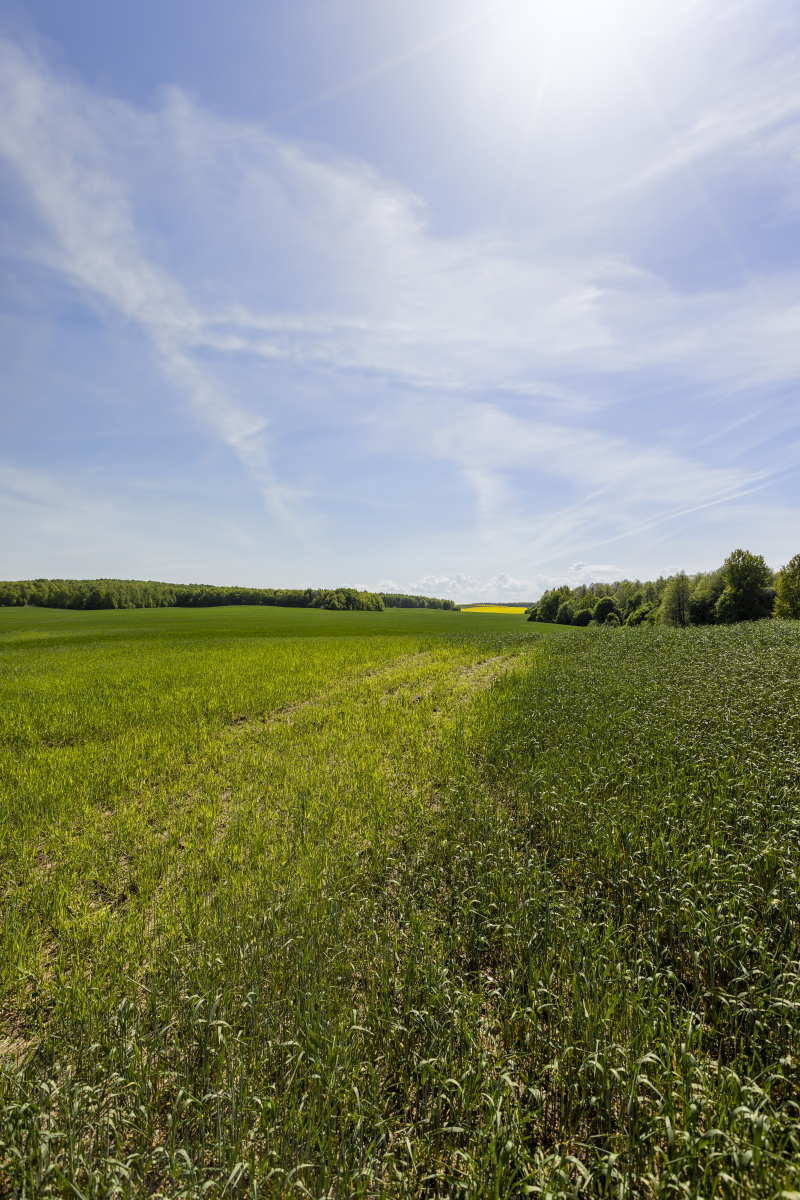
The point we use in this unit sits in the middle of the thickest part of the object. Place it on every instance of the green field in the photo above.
(248, 621)
(401, 903)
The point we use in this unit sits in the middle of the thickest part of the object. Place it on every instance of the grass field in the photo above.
(442, 906)
(244, 622)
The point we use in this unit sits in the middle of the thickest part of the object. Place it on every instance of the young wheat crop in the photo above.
(411, 916)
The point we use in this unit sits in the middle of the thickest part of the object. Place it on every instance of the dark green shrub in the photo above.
(565, 613)
(640, 615)
(604, 606)
(735, 606)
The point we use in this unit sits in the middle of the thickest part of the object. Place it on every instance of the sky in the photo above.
(451, 297)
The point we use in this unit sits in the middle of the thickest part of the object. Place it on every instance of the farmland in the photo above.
(412, 903)
(500, 609)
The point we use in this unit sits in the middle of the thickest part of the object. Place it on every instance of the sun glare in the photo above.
(532, 53)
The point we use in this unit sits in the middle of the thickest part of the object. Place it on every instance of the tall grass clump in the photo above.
(435, 935)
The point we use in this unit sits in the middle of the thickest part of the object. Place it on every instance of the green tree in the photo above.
(604, 606)
(787, 591)
(634, 601)
(99, 598)
(551, 601)
(546, 609)
(640, 615)
(623, 593)
(566, 611)
(675, 601)
(747, 595)
(703, 600)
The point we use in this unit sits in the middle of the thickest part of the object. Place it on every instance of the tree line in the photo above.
(742, 589)
(135, 593)
(400, 600)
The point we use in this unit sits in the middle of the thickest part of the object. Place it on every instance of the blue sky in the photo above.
(457, 297)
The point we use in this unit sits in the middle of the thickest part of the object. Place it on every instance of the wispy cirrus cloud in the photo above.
(320, 259)
(748, 119)
(286, 290)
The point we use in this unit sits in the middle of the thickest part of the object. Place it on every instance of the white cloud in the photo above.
(465, 588)
(621, 489)
(504, 587)
(52, 135)
(360, 282)
(229, 246)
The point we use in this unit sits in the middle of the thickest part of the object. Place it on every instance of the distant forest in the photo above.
(135, 593)
(400, 600)
(742, 589)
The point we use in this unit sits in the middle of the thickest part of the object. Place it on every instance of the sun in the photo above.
(533, 53)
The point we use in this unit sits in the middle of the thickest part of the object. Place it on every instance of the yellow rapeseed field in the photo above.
(494, 608)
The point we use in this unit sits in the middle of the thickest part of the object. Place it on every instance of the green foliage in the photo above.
(634, 601)
(787, 591)
(566, 612)
(704, 597)
(348, 600)
(624, 592)
(747, 595)
(674, 608)
(400, 600)
(734, 606)
(604, 607)
(332, 918)
(746, 572)
(642, 615)
(740, 591)
(642, 607)
(547, 607)
(133, 593)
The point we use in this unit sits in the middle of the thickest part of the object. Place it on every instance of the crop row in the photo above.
(438, 938)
